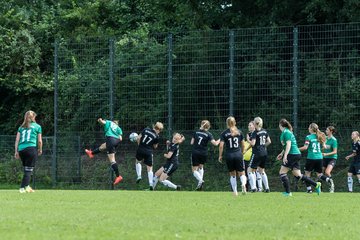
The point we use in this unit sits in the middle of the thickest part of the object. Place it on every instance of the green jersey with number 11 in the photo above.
(29, 136)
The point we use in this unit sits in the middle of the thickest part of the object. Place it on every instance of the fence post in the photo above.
(170, 85)
(111, 91)
(295, 79)
(54, 148)
(79, 157)
(231, 72)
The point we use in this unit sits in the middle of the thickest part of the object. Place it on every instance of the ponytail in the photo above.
(285, 124)
(321, 137)
(29, 117)
(231, 124)
(205, 125)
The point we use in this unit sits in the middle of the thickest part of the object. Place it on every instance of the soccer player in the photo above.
(199, 153)
(259, 140)
(330, 155)
(147, 141)
(28, 146)
(313, 144)
(354, 168)
(233, 140)
(171, 164)
(113, 134)
(290, 157)
(248, 151)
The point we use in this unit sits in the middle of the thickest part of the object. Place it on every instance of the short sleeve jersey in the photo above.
(201, 140)
(332, 144)
(148, 138)
(232, 143)
(111, 129)
(356, 149)
(287, 135)
(314, 147)
(29, 136)
(259, 149)
(174, 148)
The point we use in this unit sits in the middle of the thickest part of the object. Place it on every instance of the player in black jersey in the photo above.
(148, 140)
(354, 168)
(171, 164)
(199, 153)
(233, 140)
(259, 140)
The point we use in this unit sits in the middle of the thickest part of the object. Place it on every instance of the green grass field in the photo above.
(61, 214)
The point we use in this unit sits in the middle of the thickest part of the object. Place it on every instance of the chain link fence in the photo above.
(305, 74)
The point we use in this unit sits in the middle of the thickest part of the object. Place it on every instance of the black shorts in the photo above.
(170, 167)
(235, 161)
(257, 161)
(329, 161)
(147, 156)
(198, 158)
(313, 165)
(29, 156)
(293, 161)
(354, 168)
(111, 144)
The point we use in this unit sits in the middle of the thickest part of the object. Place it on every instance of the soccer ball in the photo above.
(133, 137)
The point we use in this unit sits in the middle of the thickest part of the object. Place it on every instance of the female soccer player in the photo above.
(330, 155)
(248, 151)
(113, 134)
(147, 141)
(171, 164)
(290, 157)
(313, 144)
(354, 168)
(259, 140)
(233, 140)
(199, 153)
(28, 146)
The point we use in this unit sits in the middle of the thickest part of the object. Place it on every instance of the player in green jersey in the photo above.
(290, 157)
(113, 134)
(28, 146)
(314, 142)
(330, 155)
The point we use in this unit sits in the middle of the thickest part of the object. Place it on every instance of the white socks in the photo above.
(233, 184)
(169, 184)
(138, 169)
(201, 171)
(350, 184)
(252, 180)
(150, 177)
(258, 180)
(197, 176)
(265, 180)
(243, 180)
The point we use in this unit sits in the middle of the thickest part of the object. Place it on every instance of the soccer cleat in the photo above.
(267, 191)
(28, 189)
(332, 185)
(309, 191)
(253, 190)
(117, 180)
(178, 187)
(318, 188)
(235, 194)
(243, 189)
(138, 179)
(22, 190)
(259, 190)
(151, 188)
(89, 153)
(286, 194)
(199, 186)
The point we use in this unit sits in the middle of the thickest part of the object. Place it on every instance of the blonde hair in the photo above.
(29, 117)
(179, 138)
(358, 135)
(231, 124)
(158, 126)
(116, 122)
(321, 137)
(258, 122)
(205, 125)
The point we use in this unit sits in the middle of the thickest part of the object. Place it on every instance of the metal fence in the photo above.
(305, 74)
